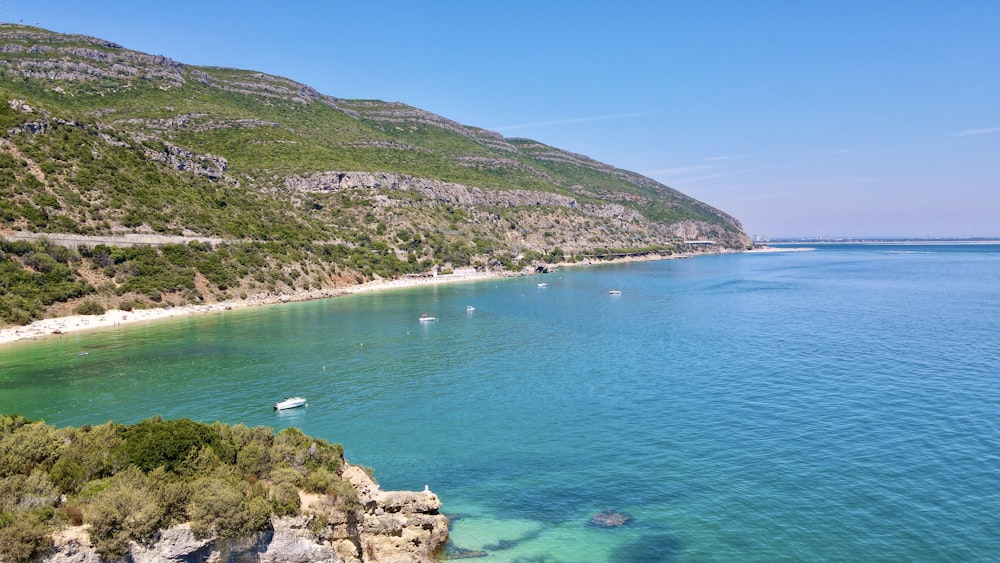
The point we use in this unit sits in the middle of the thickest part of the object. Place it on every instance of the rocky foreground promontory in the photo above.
(388, 526)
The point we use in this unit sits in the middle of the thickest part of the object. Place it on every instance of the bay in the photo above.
(839, 404)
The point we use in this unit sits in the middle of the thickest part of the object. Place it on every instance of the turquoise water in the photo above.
(840, 404)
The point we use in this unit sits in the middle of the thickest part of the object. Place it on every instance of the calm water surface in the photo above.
(840, 404)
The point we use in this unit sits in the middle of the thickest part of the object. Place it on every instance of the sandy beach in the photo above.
(114, 317)
(63, 325)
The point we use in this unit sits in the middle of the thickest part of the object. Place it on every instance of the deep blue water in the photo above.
(838, 404)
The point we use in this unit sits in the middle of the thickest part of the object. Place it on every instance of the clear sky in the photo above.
(798, 117)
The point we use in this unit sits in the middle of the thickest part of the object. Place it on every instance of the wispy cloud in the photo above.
(569, 121)
(983, 131)
(717, 167)
(717, 162)
(689, 181)
(680, 169)
(877, 179)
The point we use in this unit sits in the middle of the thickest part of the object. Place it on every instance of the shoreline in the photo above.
(58, 326)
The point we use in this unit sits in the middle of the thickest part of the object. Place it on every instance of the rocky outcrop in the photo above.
(384, 526)
(396, 526)
(181, 159)
(434, 190)
(176, 157)
(480, 202)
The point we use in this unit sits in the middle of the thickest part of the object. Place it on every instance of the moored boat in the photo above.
(289, 403)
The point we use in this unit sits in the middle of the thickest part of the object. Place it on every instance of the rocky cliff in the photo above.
(387, 526)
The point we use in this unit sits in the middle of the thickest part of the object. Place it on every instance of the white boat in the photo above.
(425, 318)
(470, 308)
(289, 403)
(615, 292)
(543, 284)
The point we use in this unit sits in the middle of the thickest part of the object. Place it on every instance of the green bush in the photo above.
(89, 308)
(285, 499)
(286, 474)
(68, 475)
(27, 447)
(125, 511)
(24, 539)
(254, 459)
(217, 507)
(320, 480)
(27, 492)
(156, 442)
(126, 482)
(346, 494)
(44, 279)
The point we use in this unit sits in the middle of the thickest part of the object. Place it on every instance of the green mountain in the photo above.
(245, 182)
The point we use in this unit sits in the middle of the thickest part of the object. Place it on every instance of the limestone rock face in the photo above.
(396, 526)
(434, 190)
(172, 544)
(292, 542)
(545, 218)
(388, 527)
(73, 551)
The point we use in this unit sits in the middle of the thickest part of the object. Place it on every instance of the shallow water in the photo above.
(839, 404)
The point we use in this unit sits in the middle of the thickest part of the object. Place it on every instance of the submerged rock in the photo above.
(610, 519)
(454, 552)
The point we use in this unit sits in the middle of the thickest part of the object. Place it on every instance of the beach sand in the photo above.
(114, 317)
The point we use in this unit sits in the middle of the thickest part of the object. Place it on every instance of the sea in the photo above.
(836, 404)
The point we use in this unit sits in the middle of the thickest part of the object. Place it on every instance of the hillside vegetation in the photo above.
(278, 188)
(126, 482)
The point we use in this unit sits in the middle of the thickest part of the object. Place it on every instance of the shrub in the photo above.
(155, 442)
(28, 446)
(89, 307)
(21, 496)
(24, 539)
(126, 482)
(125, 511)
(67, 474)
(99, 450)
(285, 500)
(254, 459)
(346, 494)
(218, 507)
(320, 480)
(201, 461)
(41, 262)
(286, 475)
(74, 514)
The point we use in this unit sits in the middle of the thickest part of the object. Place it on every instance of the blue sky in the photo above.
(800, 118)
